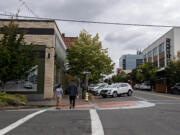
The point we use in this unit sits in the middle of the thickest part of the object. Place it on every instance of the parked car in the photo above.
(117, 89)
(100, 88)
(28, 85)
(175, 89)
(145, 86)
(137, 86)
(95, 88)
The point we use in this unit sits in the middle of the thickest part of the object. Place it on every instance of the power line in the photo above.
(28, 8)
(92, 22)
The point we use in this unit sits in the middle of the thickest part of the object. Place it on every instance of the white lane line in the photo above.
(140, 104)
(19, 122)
(141, 98)
(96, 126)
(167, 103)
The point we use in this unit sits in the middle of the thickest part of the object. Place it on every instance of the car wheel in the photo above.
(129, 93)
(115, 94)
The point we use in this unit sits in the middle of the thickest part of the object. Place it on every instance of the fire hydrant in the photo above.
(86, 99)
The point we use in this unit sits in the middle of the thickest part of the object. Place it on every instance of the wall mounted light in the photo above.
(49, 55)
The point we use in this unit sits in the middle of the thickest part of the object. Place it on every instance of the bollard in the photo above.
(86, 99)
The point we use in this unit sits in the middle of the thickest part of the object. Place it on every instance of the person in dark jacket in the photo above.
(73, 93)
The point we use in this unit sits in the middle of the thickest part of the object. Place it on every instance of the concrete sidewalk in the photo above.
(80, 103)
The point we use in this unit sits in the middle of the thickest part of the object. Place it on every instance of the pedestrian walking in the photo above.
(59, 92)
(73, 93)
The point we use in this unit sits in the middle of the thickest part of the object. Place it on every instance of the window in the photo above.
(124, 64)
(155, 63)
(155, 51)
(161, 48)
(150, 54)
(162, 62)
(139, 62)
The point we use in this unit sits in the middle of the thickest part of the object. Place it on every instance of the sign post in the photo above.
(85, 88)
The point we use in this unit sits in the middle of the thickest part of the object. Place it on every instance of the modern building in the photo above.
(130, 61)
(163, 49)
(160, 52)
(51, 49)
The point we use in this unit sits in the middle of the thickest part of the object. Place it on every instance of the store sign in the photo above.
(168, 49)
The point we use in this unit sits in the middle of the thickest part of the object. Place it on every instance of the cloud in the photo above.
(118, 39)
(74, 9)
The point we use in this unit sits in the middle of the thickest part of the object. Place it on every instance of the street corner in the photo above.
(123, 105)
(80, 105)
(115, 105)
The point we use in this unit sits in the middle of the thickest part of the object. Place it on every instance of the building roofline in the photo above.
(159, 38)
(35, 20)
(27, 20)
(64, 44)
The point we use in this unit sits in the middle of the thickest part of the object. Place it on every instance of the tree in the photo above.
(172, 71)
(148, 72)
(121, 77)
(86, 54)
(16, 59)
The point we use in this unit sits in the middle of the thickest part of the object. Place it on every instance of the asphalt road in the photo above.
(162, 119)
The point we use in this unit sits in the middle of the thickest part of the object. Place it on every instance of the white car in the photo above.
(117, 89)
(99, 89)
(95, 88)
(144, 86)
(137, 86)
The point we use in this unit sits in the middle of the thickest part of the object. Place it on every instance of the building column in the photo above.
(49, 73)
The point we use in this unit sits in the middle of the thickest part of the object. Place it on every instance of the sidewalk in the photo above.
(80, 103)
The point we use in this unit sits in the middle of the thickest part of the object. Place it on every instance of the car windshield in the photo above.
(91, 85)
(112, 86)
(102, 86)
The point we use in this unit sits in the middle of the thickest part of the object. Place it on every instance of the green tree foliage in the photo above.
(172, 71)
(145, 73)
(16, 58)
(148, 71)
(122, 77)
(136, 76)
(86, 54)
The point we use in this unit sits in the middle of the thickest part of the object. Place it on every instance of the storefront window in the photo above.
(161, 48)
(155, 51)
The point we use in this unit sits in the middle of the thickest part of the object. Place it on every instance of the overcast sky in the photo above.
(118, 39)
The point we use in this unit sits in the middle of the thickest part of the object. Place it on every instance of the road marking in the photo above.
(141, 98)
(19, 122)
(96, 125)
(139, 104)
(168, 103)
(160, 95)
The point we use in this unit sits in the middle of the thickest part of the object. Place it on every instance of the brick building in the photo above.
(68, 40)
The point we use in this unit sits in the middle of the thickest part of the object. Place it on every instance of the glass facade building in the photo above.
(130, 61)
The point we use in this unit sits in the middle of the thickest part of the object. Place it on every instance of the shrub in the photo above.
(12, 100)
(22, 98)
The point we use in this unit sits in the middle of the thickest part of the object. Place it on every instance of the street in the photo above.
(161, 119)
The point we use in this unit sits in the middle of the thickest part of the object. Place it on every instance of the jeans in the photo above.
(72, 101)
